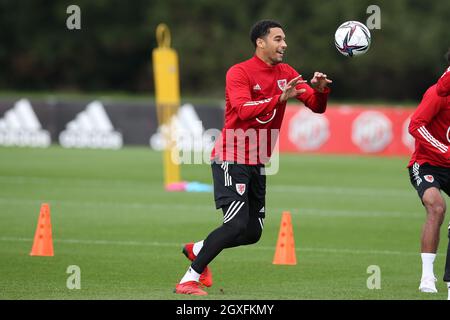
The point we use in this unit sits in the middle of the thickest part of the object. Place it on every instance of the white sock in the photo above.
(448, 286)
(190, 275)
(427, 265)
(197, 247)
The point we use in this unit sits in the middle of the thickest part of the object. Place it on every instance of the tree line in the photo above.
(112, 50)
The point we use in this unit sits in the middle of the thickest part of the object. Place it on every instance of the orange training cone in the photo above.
(285, 250)
(43, 242)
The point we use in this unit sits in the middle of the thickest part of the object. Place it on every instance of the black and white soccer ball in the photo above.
(352, 38)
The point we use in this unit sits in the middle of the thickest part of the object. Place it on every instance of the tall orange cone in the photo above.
(43, 242)
(285, 250)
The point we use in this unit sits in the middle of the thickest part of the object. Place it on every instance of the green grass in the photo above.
(112, 218)
(212, 100)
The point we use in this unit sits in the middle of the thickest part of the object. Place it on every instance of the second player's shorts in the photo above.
(426, 176)
(240, 182)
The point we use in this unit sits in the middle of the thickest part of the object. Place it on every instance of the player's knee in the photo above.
(435, 210)
(434, 203)
(254, 236)
(435, 214)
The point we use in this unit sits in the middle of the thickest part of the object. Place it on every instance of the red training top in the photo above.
(430, 126)
(253, 114)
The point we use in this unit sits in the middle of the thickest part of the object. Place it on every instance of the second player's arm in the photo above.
(443, 84)
(425, 112)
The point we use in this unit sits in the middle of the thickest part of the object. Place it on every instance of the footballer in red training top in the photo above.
(252, 93)
(256, 94)
(429, 171)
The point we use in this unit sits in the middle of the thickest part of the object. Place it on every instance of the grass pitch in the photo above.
(112, 218)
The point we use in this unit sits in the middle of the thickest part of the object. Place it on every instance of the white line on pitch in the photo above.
(189, 207)
(145, 186)
(179, 245)
(342, 191)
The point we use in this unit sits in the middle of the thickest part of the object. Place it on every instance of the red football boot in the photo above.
(206, 276)
(190, 287)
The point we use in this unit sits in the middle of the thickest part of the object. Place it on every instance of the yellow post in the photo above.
(167, 91)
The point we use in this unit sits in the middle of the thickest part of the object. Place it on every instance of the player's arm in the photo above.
(424, 114)
(443, 84)
(315, 96)
(238, 89)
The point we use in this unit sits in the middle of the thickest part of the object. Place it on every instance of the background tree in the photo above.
(112, 51)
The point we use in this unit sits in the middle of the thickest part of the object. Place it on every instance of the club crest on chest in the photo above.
(282, 84)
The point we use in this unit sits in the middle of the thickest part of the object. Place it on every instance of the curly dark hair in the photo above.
(262, 28)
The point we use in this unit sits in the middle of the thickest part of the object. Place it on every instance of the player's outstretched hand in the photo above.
(320, 81)
(290, 90)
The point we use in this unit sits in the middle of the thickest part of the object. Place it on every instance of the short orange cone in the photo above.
(43, 242)
(285, 250)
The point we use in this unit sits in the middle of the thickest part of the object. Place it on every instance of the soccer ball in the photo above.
(352, 38)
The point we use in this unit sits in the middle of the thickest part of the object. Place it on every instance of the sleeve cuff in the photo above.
(326, 90)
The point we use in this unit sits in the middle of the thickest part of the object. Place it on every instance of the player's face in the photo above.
(275, 45)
